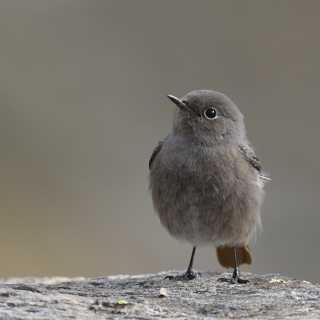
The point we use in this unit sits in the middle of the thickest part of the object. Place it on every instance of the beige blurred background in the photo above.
(83, 88)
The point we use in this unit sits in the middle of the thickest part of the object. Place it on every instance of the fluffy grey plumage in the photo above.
(205, 178)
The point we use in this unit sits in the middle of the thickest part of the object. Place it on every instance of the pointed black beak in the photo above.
(182, 105)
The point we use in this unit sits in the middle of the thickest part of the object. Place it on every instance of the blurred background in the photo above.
(83, 88)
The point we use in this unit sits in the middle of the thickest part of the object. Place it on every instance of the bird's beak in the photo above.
(182, 105)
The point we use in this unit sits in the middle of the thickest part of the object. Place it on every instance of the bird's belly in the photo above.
(206, 208)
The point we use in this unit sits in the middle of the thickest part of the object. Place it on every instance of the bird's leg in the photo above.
(236, 274)
(189, 275)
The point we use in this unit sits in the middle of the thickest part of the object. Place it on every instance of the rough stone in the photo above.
(269, 296)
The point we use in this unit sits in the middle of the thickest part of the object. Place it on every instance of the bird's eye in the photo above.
(210, 113)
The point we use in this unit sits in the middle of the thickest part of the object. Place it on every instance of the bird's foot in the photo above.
(234, 279)
(189, 275)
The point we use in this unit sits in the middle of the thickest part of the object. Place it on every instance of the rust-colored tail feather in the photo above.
(225, 256)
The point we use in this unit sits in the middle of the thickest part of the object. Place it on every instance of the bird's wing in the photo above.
(250, 156)
(156, 151)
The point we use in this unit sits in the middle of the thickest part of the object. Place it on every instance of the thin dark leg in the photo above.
(236, 274)
(189, 275)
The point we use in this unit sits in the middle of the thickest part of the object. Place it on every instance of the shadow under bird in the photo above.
(206, 181)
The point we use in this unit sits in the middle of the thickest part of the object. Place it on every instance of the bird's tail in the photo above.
(225, 256)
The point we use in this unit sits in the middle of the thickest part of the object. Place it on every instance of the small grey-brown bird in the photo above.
(206, 181)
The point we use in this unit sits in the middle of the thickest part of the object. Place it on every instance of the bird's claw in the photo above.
(189, 275)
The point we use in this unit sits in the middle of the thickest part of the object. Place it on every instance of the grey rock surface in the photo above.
(151, 296)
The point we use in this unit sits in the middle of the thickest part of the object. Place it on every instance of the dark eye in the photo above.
(210, 113)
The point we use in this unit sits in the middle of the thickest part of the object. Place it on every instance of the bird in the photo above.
(206, 181)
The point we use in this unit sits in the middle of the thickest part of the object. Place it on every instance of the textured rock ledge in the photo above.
(268, 296)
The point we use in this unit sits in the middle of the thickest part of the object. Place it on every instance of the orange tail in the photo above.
(225, 256)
